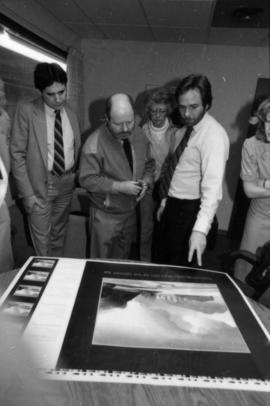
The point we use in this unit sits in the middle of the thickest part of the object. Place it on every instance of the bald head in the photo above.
(120, 115)
(118, 102)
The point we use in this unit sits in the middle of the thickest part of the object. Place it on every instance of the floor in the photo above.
(21, 243)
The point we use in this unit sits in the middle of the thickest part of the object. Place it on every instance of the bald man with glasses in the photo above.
(116, 169)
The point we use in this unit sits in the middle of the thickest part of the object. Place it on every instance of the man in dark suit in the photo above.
(45, 143)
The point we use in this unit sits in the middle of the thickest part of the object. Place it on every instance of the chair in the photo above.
(259, 277)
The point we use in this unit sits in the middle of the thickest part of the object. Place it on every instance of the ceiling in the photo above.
(228, 22)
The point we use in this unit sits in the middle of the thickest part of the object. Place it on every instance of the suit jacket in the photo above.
(29, 148)
(103, 162)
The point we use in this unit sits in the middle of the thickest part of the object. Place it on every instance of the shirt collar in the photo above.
(199, 125)
(51, 111)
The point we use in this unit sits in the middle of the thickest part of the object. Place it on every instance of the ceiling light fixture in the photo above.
(21, 48)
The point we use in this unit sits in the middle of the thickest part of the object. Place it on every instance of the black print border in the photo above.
(78, 353)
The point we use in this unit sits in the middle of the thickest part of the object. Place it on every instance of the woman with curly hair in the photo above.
(161, 133)
(255, 174)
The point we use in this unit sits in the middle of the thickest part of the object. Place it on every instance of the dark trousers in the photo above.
(176, 226)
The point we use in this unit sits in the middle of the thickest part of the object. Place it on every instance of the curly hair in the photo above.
(108, 103)
(260, 117)
(160, 95)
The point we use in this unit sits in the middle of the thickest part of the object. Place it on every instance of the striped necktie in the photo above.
(59, 158)
(127, 149)
(170, 165)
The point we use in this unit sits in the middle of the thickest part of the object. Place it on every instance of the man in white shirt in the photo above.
(195, 188)
(45, 143)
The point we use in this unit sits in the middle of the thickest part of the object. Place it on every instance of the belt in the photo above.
(183, 200)
(191, 203)
(68, 172)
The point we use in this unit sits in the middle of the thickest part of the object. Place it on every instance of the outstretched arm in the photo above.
(214, 155)
(197, 244)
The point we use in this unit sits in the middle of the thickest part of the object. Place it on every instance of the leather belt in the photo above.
(68, 172)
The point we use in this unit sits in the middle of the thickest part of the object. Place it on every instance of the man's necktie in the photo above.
(59, 158)
(167, 174)
(127, 149)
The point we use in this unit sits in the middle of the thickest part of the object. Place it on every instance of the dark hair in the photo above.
(260, 117)
(46, 74)
(108, 104)
(160, 95)
(199, 82)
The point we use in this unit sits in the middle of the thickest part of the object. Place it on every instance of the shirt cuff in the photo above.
(202, 225)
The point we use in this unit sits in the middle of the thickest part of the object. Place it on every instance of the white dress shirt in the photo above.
(3, 182)
(68, 137)
(200, 171)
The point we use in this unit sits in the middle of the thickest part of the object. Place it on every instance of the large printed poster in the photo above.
(137, 323)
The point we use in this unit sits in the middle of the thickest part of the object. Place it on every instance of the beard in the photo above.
(123, 135)
(191, 121)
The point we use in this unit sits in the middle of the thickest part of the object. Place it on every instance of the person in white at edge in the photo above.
(196, 185)
(6, 255)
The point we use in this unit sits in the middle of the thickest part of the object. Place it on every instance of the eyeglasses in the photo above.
(158, 112)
